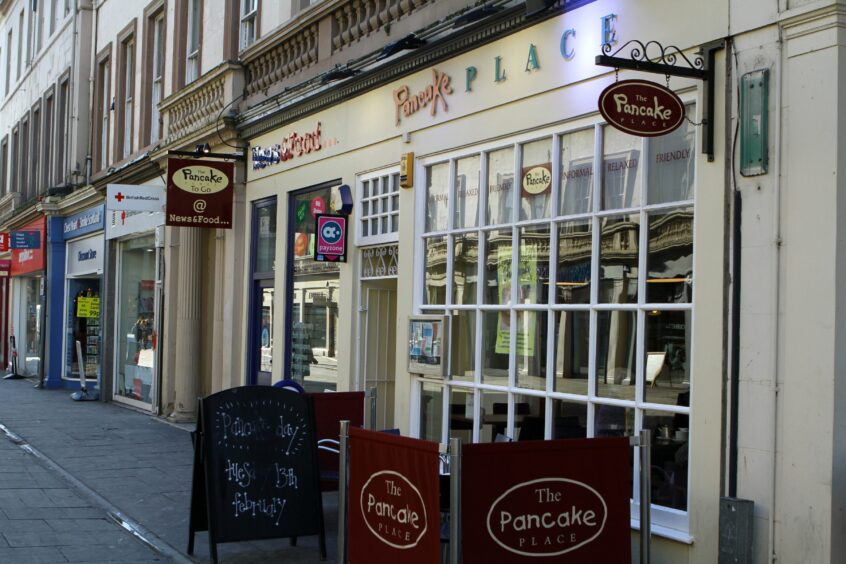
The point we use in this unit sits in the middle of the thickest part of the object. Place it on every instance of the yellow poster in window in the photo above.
(527, 293)
(88, 307)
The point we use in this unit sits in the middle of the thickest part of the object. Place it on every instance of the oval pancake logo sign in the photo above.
(641, 107)
(393, 509)
(198, 179)
(547, 517)
(537, 180)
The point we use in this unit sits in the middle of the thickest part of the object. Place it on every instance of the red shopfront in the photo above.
(26, 329)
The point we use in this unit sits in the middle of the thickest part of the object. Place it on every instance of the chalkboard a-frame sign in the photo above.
(255, 468)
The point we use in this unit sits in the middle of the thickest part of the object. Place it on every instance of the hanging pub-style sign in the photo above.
(641, 108)
(199, 193)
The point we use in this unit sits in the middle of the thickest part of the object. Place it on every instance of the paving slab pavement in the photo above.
(96, 464)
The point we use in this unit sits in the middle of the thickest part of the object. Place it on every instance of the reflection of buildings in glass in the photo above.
(436, 254)
(670, 270)
(315, 323)
(618, 253)
(619, 188)
(574, 262)
(465, 276)
(577, 183)
(266, 336)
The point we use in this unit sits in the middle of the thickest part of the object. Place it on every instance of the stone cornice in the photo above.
(812, 18)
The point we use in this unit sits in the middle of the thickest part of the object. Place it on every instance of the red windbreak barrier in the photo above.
(394, 513)
(330, 408)
(546, 501)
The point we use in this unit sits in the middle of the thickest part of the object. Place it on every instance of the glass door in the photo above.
(263, 261)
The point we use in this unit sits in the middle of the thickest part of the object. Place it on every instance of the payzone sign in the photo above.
(331, 233)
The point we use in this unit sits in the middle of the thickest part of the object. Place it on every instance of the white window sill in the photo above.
(666, 532)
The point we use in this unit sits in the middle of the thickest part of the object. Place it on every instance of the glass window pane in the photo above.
(498, 267)
(618, 254)
(667, 371)
(495, 347)
(621, 164)
(672, 162)
(669, 458)
(365, 189)
(669, 274)
(614, 421)
(616, 333)
(437, 197)
(435, 251)
(394, 223)
(431, 411)
(532, 330)
(494, 412)
(533, 265)
(394, 203)
(461, 414)
(465, 268)
(536, 179)
(365, 208)
(569, 420)
(467, 191)
(572, 285)
(266, 240)
(529, 418)
(572, 346)
(463, 346)
(500, 185)
(576, 191)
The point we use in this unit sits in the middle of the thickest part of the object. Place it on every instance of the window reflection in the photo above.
(531, 349)
(465, 268)
(500, 186)
(669, 455)
(572, 284)
(536, 179)
(529, 417)
(672, 161)
(461, 414)
(670, 257)
(615, 354)
(498, 267)
(431, 411)
(572, 344)
(667, 370)
(576, 172)
(569, 420)
(494, 411)
(621, 170)
(435, 251)
(467, 192)
(495, 347)
(533, 265)
(618, 255)
(463, 345)
(437, 197)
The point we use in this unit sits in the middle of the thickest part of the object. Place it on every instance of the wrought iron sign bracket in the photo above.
(664, 61)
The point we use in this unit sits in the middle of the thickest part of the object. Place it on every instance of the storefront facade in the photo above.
(29, 293)
(517, 178)
(136, 241)
(76, 286)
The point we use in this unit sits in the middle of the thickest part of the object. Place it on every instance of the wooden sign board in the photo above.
(255, 468)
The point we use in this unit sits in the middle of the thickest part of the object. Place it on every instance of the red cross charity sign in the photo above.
(331, 233)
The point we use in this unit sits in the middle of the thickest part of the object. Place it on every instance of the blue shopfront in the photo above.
(75, 270)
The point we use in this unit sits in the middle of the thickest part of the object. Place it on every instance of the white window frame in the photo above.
(157, 88)
(389, 178)
(192, 45)
(128, 95)
(668, 522)
(249, 14)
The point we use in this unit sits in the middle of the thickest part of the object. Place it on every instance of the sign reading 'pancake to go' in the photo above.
(199, 193)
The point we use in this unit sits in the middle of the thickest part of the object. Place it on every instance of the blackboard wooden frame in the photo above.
(276, 428)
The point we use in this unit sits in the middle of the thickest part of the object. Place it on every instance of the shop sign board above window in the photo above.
(4, 241)
(641, 108)
(199, 193)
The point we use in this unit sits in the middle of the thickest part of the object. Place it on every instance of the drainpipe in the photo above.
(91, 82)
(772, 557)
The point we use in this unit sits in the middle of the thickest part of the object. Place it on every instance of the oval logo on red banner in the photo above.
(641, 107)
(547, 517)
(393, 509)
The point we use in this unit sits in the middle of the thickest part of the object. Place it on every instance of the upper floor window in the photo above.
(156, 37)
(38, 15)
(20, 44)
(53, 15)
(104, 78)
(192, 51)
(127, 97)
(249, 22)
